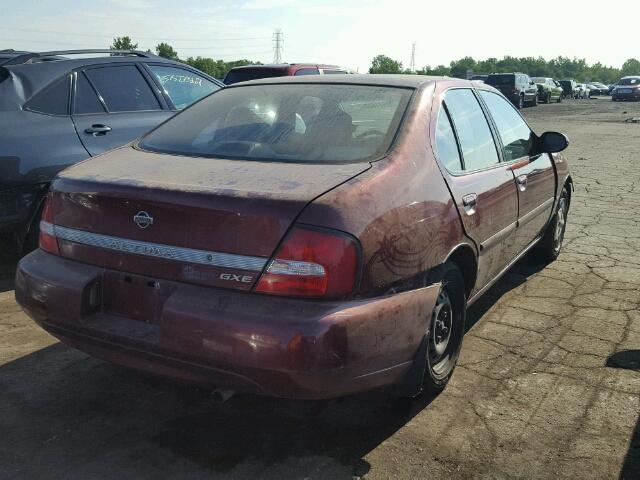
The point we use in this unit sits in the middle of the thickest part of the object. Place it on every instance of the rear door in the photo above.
(113, 105)
(535, 175)
(483, 188)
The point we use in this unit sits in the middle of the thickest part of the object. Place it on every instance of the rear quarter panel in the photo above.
(400, 209)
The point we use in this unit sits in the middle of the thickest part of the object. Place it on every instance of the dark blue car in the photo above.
(58, 108)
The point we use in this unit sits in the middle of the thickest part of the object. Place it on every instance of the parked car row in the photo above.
(523, 90)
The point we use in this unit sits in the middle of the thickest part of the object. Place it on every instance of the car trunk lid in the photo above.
(201, 220)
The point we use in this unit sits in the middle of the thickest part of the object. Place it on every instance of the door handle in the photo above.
(98, 129)
(522, 182)
(470, 202)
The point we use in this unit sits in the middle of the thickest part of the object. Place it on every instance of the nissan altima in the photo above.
(299, 237)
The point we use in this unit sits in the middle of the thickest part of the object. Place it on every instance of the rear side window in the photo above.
(516, 136)
(52, 100)
(307, 71)
(478, 148)
(333, 72)
(86, 100)
(123, 88)
(182, 86)
(446, 143)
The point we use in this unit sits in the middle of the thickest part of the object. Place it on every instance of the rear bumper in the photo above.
(248, 342)
(627, 96)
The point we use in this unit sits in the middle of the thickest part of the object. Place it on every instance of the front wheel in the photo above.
(549, 247)
(446, 330)
(520, 103)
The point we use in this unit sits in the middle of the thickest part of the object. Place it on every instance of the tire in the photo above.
(520, 103)
(446, 330)
(534, 103)
(551, 244)
(548, 98)
(559, 99)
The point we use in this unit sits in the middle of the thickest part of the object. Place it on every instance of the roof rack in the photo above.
(59, 55)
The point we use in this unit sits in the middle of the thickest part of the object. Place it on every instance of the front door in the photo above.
(113, 105)
(483, 188)
(534, 173)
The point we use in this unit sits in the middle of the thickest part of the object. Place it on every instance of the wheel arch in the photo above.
(464, 256)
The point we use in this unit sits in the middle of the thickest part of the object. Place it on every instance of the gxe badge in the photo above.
(143, 219)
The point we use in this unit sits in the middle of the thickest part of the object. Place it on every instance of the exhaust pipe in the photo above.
(221, 395)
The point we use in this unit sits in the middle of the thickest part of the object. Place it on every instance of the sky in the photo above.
(348, 32)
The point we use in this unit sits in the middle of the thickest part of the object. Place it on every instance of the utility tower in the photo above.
(412, 64)
(278, 44)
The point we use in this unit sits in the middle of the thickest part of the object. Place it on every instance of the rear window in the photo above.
(629, 81)
(500, 79)
(246, 74)
(539, 79)
(319, 123)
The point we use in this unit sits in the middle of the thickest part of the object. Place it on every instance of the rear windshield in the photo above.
(539, 79)
(500, 79)
(246, 74)
(315, 123)
(629, 81)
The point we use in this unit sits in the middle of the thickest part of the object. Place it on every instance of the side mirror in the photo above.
(552, 142)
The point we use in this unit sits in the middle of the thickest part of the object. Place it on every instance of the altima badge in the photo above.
(143, 219)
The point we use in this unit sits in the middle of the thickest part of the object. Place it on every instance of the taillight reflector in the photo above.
(47, 238)
(312, 263)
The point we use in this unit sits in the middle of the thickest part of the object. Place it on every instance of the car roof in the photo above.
(284, 65)
(407, 81)
(39, 74)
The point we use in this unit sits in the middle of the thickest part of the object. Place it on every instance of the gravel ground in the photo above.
(548, 383)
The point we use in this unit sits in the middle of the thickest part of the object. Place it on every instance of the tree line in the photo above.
(558, 68)
(215, 68)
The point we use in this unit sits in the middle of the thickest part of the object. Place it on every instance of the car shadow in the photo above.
(103, 404)
(629, 360)
(7, 273)
(515, 277)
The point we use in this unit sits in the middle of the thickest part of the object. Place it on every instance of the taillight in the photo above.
(312, 263)
(48, 241)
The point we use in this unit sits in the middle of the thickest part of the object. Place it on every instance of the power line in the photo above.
(135, 37)
(278, 44)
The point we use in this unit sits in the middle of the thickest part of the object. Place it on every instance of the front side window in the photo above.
(182, 86)
(446, 143)
(52, 100)
(123, 88)
(478, 148)
(320, 123)
(517, 137)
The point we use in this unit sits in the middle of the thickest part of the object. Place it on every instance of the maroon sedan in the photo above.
(299, 237)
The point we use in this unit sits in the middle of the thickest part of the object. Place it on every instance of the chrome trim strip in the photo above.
(494, 239)
(480, 292)
(535, 212)
(157, 250)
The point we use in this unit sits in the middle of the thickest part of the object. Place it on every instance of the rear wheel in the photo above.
(549, 247)
(548, 98)
(446, 330)
(559, 98)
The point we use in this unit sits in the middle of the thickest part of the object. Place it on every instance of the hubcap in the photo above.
(561, 221)
(441, 326)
